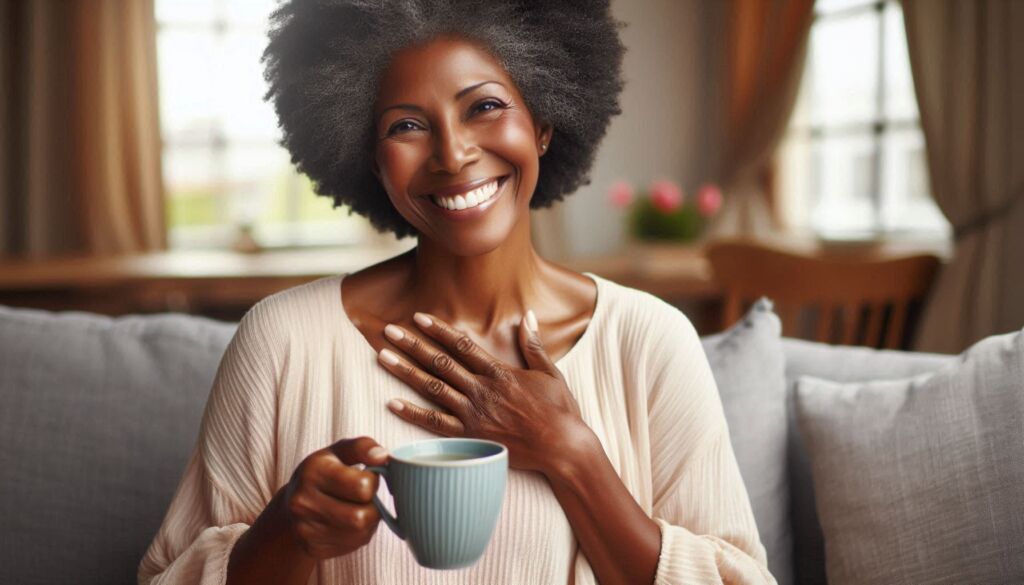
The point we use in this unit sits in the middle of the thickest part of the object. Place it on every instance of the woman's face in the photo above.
(450, 119)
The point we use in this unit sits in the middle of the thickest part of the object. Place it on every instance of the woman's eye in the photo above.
(397, 127)
(481, 106)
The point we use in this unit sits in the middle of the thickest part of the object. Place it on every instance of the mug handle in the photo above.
(385, 514)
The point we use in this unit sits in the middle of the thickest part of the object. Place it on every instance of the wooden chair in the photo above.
(855, 301)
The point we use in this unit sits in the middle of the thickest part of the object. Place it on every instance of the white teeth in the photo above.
(466, 200)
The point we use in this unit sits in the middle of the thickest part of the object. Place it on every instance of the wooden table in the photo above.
(224, 284)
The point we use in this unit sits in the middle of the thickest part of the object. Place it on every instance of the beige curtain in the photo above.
(79, 129)
(765, 45)
(967, 60)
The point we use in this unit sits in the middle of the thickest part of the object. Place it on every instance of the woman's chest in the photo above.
(339, 390)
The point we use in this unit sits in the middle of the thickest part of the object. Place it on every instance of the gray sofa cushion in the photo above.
(747, 362)
(919, 480)
(841, 364)
(97, 418)
(855, 364)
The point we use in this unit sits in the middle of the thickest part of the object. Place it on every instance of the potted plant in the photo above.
(663, 213)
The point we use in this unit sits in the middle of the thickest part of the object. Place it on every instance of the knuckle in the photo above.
(361, 519)
(357, 519)
(365, 487)
(534, 343)
(433, 387)
(414, 343)
(464, 344)
(307, 472)
(441, 363)
(363, 443)
(434, 419)
(489, 396)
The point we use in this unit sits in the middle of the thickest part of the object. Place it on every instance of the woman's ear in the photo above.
(544, 138)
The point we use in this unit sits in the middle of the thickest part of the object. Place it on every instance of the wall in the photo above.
(664, 129)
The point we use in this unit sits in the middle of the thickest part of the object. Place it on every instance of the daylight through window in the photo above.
(223, 167)
(852, 164)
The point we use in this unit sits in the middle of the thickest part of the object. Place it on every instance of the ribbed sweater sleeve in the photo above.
(228, 479)
(701, 504)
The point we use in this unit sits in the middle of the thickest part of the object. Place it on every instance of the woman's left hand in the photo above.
(530, 411)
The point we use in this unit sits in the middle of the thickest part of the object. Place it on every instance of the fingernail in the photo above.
(389, 357)
(394, 332)
(531, 321)
(377, 452)
(422, 319)
(395, 405)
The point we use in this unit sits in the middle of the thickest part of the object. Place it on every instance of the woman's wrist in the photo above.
(619, 539)
(268, 552)
(569, 450)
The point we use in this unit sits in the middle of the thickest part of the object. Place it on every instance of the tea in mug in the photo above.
(442, 457)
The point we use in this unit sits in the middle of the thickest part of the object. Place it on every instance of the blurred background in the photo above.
(140, 169)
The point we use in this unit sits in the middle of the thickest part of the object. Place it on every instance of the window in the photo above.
(852, 164)
(223, 166)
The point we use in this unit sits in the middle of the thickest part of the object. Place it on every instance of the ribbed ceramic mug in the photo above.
(448, 495)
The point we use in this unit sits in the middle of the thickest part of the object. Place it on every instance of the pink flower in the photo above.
(666, 196)
(620, 194)
(709, 199)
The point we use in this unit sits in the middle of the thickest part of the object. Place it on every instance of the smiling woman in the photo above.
(325, 61)
(456, 140)
(450, 120)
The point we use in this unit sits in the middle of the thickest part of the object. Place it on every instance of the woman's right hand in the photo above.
(329, 503)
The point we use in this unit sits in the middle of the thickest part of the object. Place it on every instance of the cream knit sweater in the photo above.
(298, 376)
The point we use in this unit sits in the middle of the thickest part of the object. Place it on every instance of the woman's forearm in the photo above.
(268, 554)
(621, 542)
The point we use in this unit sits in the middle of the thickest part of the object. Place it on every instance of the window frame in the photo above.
(877, 128)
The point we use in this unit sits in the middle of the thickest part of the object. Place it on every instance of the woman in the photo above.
(450, 120)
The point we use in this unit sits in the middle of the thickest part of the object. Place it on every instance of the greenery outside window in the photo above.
(223, 167)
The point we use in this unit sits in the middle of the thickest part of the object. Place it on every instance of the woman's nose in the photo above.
(454, 148)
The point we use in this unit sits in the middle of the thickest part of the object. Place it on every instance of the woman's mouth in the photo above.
(473, 203)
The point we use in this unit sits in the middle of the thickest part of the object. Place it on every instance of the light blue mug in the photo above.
(448, 495)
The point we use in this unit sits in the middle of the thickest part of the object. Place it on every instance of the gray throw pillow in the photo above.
(840, 363)
(921, 480)
(748, 365)
(97, 418)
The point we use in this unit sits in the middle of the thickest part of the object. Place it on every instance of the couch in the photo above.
(98, 416)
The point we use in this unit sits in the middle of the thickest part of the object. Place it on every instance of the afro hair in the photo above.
(325, 58)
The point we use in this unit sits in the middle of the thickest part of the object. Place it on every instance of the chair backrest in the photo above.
(853, 301)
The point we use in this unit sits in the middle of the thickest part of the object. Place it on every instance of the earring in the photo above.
(543, 146)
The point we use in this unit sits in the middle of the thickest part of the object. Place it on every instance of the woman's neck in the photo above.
(483, 292)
